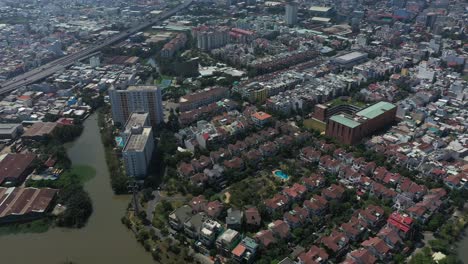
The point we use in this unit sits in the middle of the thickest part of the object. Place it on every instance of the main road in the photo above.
(52, 67)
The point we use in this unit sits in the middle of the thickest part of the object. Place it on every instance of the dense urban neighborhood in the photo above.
(270, 132)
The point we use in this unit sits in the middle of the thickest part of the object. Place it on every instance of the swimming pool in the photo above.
(280, 174)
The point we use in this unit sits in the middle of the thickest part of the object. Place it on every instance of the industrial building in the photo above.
(10, 131)
(350, 59)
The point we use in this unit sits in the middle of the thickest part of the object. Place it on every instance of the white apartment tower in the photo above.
(137, 99)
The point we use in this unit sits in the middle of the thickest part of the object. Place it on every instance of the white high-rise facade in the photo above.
(137, 99)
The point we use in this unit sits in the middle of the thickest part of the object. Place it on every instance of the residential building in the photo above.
(136, 99)
(138, 151)
(291, 13)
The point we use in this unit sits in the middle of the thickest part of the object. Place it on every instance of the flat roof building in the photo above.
(350, 128)
(350, 59)
(10, 131)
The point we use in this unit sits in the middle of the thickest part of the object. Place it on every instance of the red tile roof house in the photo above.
(337, 243)
(334, 192)
(456, 181)
(392, 179)
(198, 204)
(391, 238)
(343, 156)
(373, 215)
(360, 256)
(296, 217)
(382, 192)
(309, 155)
(369, 168)
(358, 163)
(317, 205)
(265, 238)
(315, 255)
(251, 141)
(284, 141)
(214, 209)
(378, 247)
(202, 163)
(253, 157)
(14, 168)
(252, 217)
(269, 149)
(237, 148)
(234, 164)
(185, 170)
(199, 179)
(380, 173)
(279, 203)
(314, 182)
(280, 229)
(406, 185)
(329, 164)
(295, 192)
(354, 229)
(220, 155)
(401, 223)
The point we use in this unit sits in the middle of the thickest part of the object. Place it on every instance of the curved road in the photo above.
(61, 63)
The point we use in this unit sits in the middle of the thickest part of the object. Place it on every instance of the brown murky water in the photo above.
(104, 239)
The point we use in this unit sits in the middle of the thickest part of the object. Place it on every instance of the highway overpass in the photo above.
(52, 67)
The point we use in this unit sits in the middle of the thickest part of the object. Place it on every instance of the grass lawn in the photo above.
(36, 226)
(83, 172)
(339, 101)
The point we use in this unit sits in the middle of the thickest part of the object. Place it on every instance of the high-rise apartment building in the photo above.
(137, 99)
(291, 13)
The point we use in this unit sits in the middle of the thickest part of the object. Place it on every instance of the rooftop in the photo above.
(376, 110)
(345, 121)
(320, 8)
(137, 142)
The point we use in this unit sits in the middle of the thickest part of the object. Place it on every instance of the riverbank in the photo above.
(103, 240)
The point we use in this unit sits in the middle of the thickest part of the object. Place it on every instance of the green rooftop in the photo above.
(375, 110)
(345, 121)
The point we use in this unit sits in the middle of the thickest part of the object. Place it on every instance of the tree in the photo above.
(78, 206)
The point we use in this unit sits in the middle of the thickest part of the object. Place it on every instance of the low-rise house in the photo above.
(245, 251)
(265, 238)
(360, 256)
(185, 170)
(179, 216)
(279, 203)
(337, 242)
(406, 185)
(209, 232)
(402, 224)
(354, 228)
(198, 204)
(456, 182)
(227, 241)
(296, 217)
(334, 192)
(193, 225)
(295, 192)
(280, 229)
(253, 157)
(261, 118)
(391, 238)
(373, 215)
(378, 247)
(252, 217)
(314, 255)
(317, 205)
(220, 155)
(234, 219)
(310, 155)
(313, 182)
(214, 209)
(234, 164)
(269, 149)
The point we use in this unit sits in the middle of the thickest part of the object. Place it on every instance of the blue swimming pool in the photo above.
(281, 175)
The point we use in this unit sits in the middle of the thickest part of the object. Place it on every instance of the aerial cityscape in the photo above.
(234, 131)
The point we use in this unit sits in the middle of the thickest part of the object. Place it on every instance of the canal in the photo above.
(103, 240)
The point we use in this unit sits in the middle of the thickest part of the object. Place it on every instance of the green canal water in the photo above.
(103, 240)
